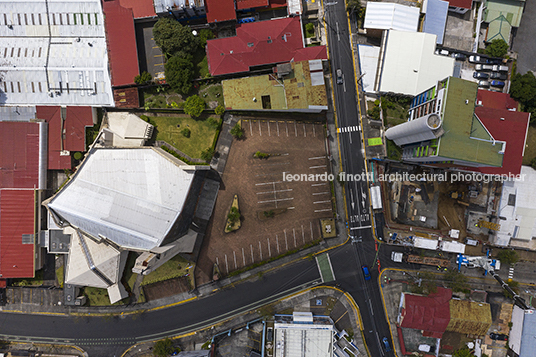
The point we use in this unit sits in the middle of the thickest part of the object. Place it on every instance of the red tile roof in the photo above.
(19, 154)
(260, 43)
(495, 100)
(466, 4)
(74, 127)
(249, 4)
(141, 8)
(16, 218)
(513, 130)
(121, 36)
(428, 313)
(220, 10)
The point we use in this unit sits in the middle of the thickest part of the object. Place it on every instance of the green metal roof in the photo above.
(499, 28)
(511, 10)
(458, 113)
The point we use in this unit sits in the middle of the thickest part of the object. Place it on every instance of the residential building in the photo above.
(446, 128)
(302, 334)
(259, 44)
(295, 86)
(407, 63)
(120, 199)
(435, 19)
(522, 339)
(54, 53)
(517, 212)
(502, 16)
(23, 178)
(460, 6)
(380, 16)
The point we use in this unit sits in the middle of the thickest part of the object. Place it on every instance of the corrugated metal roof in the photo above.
(436, 18)
(429, 313)
(465, 4)
(121, 43)
(386, 16)
(71, 68)
(17, 113)
(294, 7)
(469, 317)
(16, 218)
(162, 5)
(141, 8)
(130, 196)
(528, 339)
(220, 10)
(19, 155)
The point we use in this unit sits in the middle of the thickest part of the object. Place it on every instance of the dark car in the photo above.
(459, 56)
(480, 75)
(366, 272)
(497, 83)
(498, 336)
(386, 344)
(339, 76)
(497, 75)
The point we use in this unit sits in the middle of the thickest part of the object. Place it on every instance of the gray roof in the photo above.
(129, 196)
(436, 18)
(46, 50)
(528, 338)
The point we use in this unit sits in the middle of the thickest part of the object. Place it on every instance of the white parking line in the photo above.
(267, 183)
(234, 254)
(294, 232)
(322, 210)
(318, 202)
(243, 257)
(319, 184)
(286, 242)
(262, 193)
(303, 234)
(295, 129)
(318, 193)
(250, 128)
(286, 123)
(277, 200)
(260, 131)
(304, 131)
(314, 132)
(317, 158)
(269, 250)
(269, 128)
(277, 125)
(277, 242)
(318, 167)
(311, 225)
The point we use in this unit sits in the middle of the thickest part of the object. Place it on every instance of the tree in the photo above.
(186, 132)
(456, 281)
(463, 352)
(194, 106)
(163, 348)
(497, 48)
(220, 109)
(508, 256)
(237, 131)
(234, 215)
(174, 38)
(207, 154)
(179, 73)
(523, 89)
(143, 78)
(353, 5)
(204, 36)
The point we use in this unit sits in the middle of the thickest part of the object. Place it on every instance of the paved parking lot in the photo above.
(150, 57)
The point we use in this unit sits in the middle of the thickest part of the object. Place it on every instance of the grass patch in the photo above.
(36, 281)
(202, 68)
(128, 276)
(211, 93)
(530, 150)
(59, 276)
(173, 268)
(233, 216)
(99, 297)
(169, 129)
(91, 133)
(393, 151)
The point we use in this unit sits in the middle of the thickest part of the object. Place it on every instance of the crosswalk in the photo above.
(348, 129)
(511, 273)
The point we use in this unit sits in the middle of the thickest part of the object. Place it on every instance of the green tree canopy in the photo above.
(508, 256)
(179, 73)
(174, 38)
(163, 348)
(353, 5)
(523, 89)
(204, 36)
(143, 78)
(497, 48)
(463, 352)
(237, 131)
(194, 106)
(219, 110)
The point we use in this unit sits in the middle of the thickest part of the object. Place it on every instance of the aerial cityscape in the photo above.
(267, 178)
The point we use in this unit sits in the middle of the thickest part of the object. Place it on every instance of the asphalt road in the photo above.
(363, 251)
(523, 42)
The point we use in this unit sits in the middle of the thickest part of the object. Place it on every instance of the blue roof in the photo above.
(528, 338)
(436, 19)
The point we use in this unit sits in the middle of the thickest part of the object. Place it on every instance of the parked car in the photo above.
(498, 336)
(459, 56)
(386, 344)
(493, 61)
(497, 83)
(441, 52)
(339, 76)
(483, 84)
(366, 272)
(476, 59)
(484, 67)
(480, 75)
(498, 68)
(497, 75)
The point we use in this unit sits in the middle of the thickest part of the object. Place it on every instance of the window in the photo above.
(27, 239)
(266, 103)
(250, 44)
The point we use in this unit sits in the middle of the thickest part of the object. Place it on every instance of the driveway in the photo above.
(523, 42)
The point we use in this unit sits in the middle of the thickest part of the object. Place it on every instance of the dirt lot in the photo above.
(166, 288)
(294, 147)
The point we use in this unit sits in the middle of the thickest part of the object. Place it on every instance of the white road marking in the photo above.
(317, 202)
(322, 210)
(317, 167)
(262, 193)
(276, 200)
(267, 183)
(321, 193)
(317, 158)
